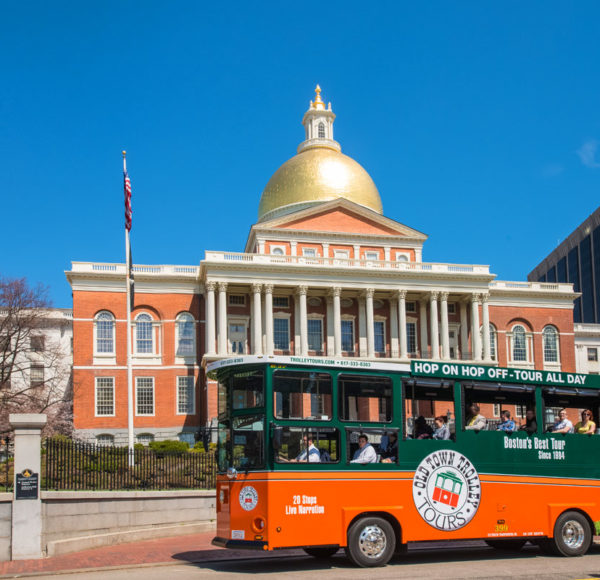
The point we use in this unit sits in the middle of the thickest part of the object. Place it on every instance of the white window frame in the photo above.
(187, 357)
(241, 321)
(451, 307)
(494, 341)
(371, 255)
(412, 321)
(154, 356)
(529, 362)
(282, 316)
(320, 318)
(192, 390)
(232, 302)
(341, 254)
(310, 253)
(96, 414)
(137, 379)
(382, 320)
(553, 365)
(105, 357)
(497, 409)
(37, 368)
(348, 318)
(102, 440)
(280, 252)
(287, 301)
(150, 439)
(402, 257)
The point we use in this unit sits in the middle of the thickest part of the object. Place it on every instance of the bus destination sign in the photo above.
(486, 373)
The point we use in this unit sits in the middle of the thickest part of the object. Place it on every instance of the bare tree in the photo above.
(35, 364)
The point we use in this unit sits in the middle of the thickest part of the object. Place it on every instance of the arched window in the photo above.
(550, 340)
(186, 334)
(519, 350)
(105, 440)
(277, 251)
(145, 438)
(105, 333)
(143, 334)
(321, 131)
(401, 258)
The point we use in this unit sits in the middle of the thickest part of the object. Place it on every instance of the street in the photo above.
(425, 561)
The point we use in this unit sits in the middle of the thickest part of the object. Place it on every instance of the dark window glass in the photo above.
(551, 275)
(597, 271)
(365, 398)
(561, 270)
(592, 354)
(306, 445)
(247, 389)
(573, 270)
(542, 278)
(585, 254)
(302, 395)
(248, 442)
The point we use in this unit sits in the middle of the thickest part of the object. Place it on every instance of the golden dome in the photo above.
(313, 176)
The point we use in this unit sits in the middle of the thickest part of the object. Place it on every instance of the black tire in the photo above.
(321, 552)
(511, 545)
(572, 536)
(371, 542)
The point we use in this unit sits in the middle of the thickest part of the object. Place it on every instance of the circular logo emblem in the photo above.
(446, 490)
(248, 497)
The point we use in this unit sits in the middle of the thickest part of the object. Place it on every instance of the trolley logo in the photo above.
(248, 498)
(446, 490)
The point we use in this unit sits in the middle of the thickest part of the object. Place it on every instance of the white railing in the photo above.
(346, 263)
(164, 269)
(527, 286)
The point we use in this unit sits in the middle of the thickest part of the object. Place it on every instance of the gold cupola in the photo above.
(319, 172)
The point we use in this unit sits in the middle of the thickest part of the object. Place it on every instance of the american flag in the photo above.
(127, 201)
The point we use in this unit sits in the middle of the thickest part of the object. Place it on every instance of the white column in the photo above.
(402, 323)
(261, 246)
(337, 321)
(435, 333)
(325, 250)
(293, 248)
(394, 329)
(222, 326)
(27, 513)
(330, 339)
(296, 325)
(370, 322)
(210, 316)
(475, 340)
(362, 326)
(423, 326)
(464, 331)
(387, 253)
(444, 317)
(256, 316)
(301, 291)
(269, 318)
(485, 315)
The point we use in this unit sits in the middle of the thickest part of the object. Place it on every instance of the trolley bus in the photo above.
(324, 454)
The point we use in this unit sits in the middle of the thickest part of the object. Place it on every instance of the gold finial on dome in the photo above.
(318, 104)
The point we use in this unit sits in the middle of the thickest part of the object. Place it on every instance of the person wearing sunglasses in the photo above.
(586, 426)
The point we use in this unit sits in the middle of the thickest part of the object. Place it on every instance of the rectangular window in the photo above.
(144, 396)
(365, 398)
(411, 337)
(281, 302)
(237, 300)
(36, 375)
(185, 396)
(429, 409)
(496, 410)
(281, 334)
(315, 334)
(451, 308)
(302, 395)
(306, 445)
(411, 307)
(520, 411)
(379, 334)
(348, 335)
(567, 410)
(378, 446)
(105, 396)
(37, 343)
(371, 256)
(592, 354)
(309, 252)
(247, 390)
(343, 254)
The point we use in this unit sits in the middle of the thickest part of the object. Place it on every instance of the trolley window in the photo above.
(302, 395)
(364, 446)
(248, 442)
(247, 389)
(429, 409)
(306, 444)
(365, 398)
(571, 410)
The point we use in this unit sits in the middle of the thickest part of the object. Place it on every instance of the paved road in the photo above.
(423, 562)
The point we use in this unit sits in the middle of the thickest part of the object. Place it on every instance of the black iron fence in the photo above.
(73, 465)
(6, 461)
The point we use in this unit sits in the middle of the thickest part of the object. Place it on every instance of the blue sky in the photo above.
(478, 121)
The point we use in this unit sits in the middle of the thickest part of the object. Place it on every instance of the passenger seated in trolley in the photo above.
(530, 422)
(563, 425)
(475, 421)
(422, 429)
(365, 452)
(390, 455)
(309, 453)
(586, 426)
(441, 431)
(507, 424)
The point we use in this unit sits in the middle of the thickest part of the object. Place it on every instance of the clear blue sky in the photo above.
(478, 121)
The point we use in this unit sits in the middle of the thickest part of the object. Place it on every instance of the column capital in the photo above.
(401, 294)
(268, 288)
(444, 296)
(368, 292)
(433, 295)
(485, 297)
(210, 285)
(222, 286)
(256, 288)
(475, 297)
(336, 291)
(302, 290)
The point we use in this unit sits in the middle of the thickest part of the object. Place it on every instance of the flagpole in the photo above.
(129, 338)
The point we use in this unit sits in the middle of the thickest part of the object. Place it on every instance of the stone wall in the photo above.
(5, 525)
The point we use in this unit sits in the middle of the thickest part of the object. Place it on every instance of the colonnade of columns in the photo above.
(438, 330)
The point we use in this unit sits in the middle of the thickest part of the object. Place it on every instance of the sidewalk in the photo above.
(179, 549)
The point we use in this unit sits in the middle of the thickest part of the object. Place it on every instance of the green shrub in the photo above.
(199, 447)
(169, 447)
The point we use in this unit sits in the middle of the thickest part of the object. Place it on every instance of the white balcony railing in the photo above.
(529, 286)
(165, 269)
(347, 263)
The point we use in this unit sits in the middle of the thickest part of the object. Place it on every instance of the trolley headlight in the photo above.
(232, 473)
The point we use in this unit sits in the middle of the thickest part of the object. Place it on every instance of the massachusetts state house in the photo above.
(324, 274)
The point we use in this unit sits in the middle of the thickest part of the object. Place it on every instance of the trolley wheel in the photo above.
(321, 552)
(371, 542)
(509, 545)
(572, 536)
